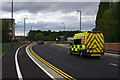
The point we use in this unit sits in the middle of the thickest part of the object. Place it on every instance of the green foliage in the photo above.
(118, 19)
(7, 46)
(5, 31)
(31, 35)
(39, 36)
(107, 21)
(49, 35)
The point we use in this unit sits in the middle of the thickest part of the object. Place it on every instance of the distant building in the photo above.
(10, 23)
(70, 39)
(19, 38)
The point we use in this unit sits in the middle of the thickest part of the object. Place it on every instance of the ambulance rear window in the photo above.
(77, 41)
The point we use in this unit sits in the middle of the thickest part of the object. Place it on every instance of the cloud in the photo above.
(55, 0)
(51, 15)
(54, 26)
(45, 7)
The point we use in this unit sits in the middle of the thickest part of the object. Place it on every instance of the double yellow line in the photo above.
(51, 66)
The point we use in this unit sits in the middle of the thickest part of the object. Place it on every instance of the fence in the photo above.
(112, 46)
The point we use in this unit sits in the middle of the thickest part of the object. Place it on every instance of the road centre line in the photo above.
(51, 66)
(17, 65)
(38, 64)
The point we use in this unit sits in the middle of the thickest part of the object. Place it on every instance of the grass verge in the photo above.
(7, 46)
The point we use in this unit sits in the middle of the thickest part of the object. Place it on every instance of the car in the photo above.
(40, 42)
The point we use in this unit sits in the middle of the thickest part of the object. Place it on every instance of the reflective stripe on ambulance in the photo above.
(95, 42)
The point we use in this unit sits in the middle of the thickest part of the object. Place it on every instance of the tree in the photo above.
(49, 35)
(39, 36)
(31, 35)
(107, 21)
(5, 31)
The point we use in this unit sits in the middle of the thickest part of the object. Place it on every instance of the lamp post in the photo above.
(64, 26)
(12, 24)
(80, 19)
(63, 37)
(24, 29)
(31, 27)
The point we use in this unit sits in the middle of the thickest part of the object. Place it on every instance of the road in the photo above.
(77, 66)
(74, 65)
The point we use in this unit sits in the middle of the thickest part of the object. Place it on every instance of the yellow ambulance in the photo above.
(89, 43)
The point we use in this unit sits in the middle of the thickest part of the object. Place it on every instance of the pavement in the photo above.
(29, 70)
(8, 64)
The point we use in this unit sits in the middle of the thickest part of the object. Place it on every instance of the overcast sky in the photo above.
(50, 15)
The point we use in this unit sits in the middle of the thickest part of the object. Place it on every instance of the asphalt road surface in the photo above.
(8, 65)
(76, 66)
(29, 70)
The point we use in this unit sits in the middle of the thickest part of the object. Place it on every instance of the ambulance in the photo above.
(89, 43)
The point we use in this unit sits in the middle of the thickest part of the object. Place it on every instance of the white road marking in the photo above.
(112, 54)
(39, 65)
(3, 54)
(17, 65)
(113, 64)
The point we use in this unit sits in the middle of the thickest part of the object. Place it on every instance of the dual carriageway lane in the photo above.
(76, 66)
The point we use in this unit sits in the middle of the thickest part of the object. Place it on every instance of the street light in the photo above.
(24, 28)
(62, 37)
(64, 26)
(12, 24)
(80, 19)
(31, 27)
